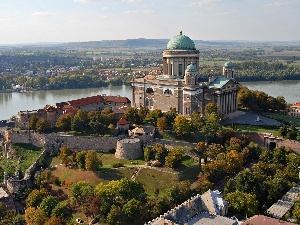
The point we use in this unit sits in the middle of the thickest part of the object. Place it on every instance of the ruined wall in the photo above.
(129, 148)
(53, 141)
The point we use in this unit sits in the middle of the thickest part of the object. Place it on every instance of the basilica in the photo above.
(180, 86)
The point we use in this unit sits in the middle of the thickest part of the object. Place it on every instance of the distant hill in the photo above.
(143, 43)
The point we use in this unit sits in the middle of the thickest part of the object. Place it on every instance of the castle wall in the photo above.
(56, 140)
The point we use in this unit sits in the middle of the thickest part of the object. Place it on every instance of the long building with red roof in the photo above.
(51, 113)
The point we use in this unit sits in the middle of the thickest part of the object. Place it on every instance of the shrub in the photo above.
(118, 164)
(156, 164)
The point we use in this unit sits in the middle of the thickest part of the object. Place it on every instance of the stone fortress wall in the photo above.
(53, 141)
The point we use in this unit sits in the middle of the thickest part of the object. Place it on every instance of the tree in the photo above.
(162, 123)
(153, 115)
(80, 159)
(211, 126)
(132, 115)
(93, 206)
(35, 216)
(160, 152)
(92, 161)
(243, 203)
(33, 122)
(211, 108)
(197, 121)
(170, 116)
(63, 122)
(3, 210)
(62, 211)
(81, 191)
(133, 211)
(53, 220)
(174, 158)
(42, 125)
(80, 121)
(201, 149)
(65, 155)
(115, 216)
(48, 204)
(182, 126)
(35, 197)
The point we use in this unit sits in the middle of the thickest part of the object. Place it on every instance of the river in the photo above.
(12, 103)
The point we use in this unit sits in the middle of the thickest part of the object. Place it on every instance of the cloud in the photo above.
(4, 20)
(130, 1)
(203, 3)
(42, 14)
(279, 5)
(147, 11)
(83, 1)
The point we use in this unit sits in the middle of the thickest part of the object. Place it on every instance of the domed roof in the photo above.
(181, 42)
(228, 64)
(191, 68)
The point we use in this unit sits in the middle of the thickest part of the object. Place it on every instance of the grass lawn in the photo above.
(109, 159)
(259, 129)
(26, 155)
(282, 118)
(153, 178)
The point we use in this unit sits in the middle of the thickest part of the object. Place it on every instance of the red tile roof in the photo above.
(117, 99)
(297, 104)
(69, 109)
(123, 121)
(86, 101)
(265, 220)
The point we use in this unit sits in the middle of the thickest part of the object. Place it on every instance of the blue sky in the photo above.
(31, 21)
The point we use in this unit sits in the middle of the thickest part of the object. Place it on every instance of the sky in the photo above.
(35, 21)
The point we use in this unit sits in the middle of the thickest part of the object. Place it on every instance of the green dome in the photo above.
(181, 42)
(191, 68)
(228, 64)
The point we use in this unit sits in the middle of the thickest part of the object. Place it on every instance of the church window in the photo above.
(171, 69)
(180, 69)
(167, 92)
(146, 101)
(151, 102)
(149, 91)
(187, 110)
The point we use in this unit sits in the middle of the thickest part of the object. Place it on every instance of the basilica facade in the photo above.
(179, 86)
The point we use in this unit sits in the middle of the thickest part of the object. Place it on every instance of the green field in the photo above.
(24, 156)
(150, 177)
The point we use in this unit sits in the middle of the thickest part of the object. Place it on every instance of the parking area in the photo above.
(251, 118)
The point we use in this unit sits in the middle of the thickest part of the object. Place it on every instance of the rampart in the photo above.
(53, 141)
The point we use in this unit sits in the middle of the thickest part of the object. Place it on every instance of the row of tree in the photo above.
(257, 70)
(289, 132)
(258, 100)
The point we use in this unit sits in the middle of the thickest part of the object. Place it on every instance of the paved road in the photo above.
(251, 118)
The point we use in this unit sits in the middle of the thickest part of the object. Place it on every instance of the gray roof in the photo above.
(279, 208)
(208, 219)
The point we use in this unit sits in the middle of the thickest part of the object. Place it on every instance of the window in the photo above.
(180, 69)
(149, 91)
(167, 92)
(187, 110)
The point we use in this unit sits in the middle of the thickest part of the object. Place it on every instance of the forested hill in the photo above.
(143, 43)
